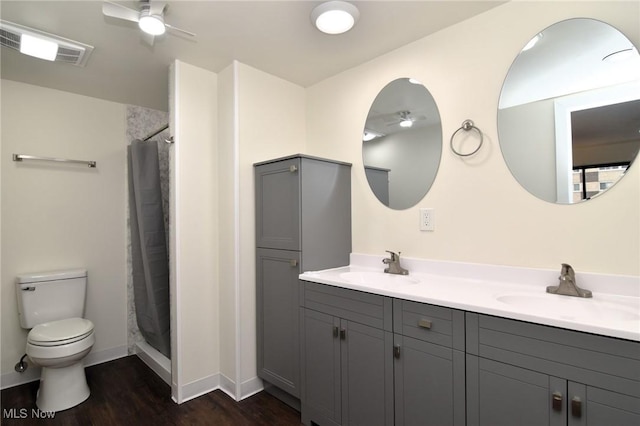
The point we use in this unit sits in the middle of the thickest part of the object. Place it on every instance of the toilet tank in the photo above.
(50, 296)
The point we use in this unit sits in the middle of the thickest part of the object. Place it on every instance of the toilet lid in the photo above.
(60, 332)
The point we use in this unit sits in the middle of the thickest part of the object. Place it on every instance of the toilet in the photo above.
(51, 304)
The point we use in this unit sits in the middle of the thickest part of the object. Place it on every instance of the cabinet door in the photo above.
(321, 398)
(591, 406)
(277, 318)
(429, 384)
(502, 394)
(278, 205)
(367, 375)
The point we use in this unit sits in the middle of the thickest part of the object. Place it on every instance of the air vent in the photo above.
(69, 51)
(9, 39)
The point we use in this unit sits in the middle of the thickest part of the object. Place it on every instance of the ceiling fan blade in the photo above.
(156, 7)
(171, 27)
(119, 11)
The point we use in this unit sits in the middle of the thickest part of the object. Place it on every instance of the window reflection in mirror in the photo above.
(569, 112)
(402, 143)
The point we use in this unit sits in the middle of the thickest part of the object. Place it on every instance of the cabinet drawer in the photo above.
(435, 324)
(604, 362)
(364, 308)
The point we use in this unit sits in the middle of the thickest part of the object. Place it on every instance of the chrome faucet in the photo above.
(394, 264)
(567, 285)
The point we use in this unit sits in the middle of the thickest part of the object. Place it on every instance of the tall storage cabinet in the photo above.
(303, 223)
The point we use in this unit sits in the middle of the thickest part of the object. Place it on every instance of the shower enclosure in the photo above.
(149, 168)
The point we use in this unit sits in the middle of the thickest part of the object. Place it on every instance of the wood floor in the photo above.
(127, 392)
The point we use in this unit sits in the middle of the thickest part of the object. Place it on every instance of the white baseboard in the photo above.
(250, 387)
(200, 387)
(220, 381)
(32, 373)
(228, 386)
(105, 355)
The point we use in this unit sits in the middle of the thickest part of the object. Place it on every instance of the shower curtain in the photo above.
(150, 261)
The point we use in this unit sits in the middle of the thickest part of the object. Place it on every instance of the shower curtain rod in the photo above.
(157, 132)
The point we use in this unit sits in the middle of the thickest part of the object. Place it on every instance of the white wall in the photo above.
(57, 216)
(261, 117)
(483, 214)
(271, 124)
(228, 189)
(194, 289)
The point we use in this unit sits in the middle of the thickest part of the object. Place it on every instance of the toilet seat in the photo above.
(61, 332)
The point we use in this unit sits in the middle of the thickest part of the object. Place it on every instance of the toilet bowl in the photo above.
(51, 304)
(59, 348)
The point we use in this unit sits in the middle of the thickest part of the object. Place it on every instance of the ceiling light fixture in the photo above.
(151, 24)
(38, 47)
(405, 119)
(43, 45)
(335, 17)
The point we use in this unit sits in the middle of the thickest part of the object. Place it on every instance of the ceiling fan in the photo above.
(405, 119)
(150, 17)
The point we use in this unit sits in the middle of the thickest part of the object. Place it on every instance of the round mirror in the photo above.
(569, 111)
(402, 143)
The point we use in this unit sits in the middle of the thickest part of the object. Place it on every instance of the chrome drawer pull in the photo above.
(576, 407)
(293, 169)
(556, 401)
(396, 351)
(293, 262)
(424, 323)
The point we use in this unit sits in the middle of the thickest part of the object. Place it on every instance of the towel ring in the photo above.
(467, 125)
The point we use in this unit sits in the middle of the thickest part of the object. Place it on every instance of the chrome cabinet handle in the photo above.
(335, 331)
(28, 289)
(293, 262)
(293, 169)
(424, 323)
(556, 401)
(343, 334)
(576, 407)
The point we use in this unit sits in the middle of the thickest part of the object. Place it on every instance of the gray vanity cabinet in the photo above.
(529, 374)
(429, 364)
(347, 364)
(303, 222)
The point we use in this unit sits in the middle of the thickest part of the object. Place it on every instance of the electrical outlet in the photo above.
(427, 220)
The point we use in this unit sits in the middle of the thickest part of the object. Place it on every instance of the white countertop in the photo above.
(509, 292)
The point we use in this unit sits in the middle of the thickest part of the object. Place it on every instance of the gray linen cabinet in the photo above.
(303, 223)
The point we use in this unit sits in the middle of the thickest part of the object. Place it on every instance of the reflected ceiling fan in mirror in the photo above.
(150, 17)
(406, 119)
(387, 122)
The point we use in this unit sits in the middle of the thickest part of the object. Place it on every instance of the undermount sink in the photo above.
(373, 278)
(569, 308)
